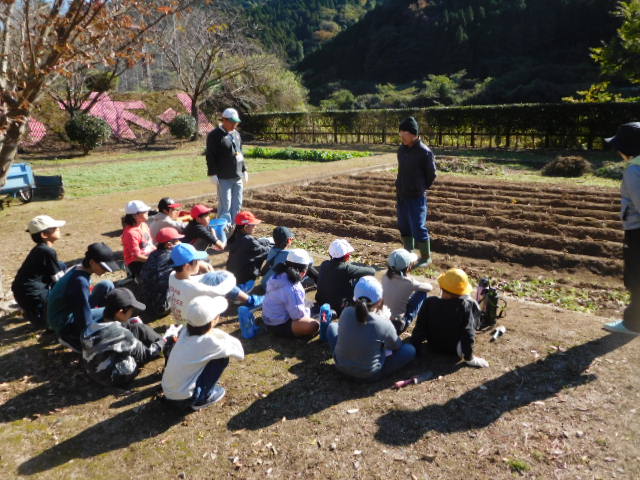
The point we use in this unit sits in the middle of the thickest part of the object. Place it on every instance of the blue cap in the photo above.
(184, 253)
(368, 287)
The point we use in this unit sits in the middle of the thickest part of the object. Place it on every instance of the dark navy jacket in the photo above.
(416, 170)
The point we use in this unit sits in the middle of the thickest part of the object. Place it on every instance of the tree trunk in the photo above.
(9, 148)
(194, 113)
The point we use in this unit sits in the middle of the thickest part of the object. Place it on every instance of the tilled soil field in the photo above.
(542, 226)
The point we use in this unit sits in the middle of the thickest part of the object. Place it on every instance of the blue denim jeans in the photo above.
(413, 307)
(208, 379)
(229, 197)
(99, 293)
(412, 218)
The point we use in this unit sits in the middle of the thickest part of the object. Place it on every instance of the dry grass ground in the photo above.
(559, 400)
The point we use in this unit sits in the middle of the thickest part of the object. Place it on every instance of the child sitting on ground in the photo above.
(186, 283)
(338, 276)
(137, 244)
(39, 271)
(246, 252)
(448, 323)
(72, 306)
(198, 232)
(115, 347)
(284, 311)
(282, 238)
(154, 276)
(364, 342)
(201, 354)
(402, 293)
(167, 217)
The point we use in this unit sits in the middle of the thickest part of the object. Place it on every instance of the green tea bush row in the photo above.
(305, 155)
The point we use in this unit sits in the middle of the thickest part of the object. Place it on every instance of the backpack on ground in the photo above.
(492, 304)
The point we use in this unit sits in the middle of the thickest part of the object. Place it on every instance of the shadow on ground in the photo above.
(483, 405)
(319, 385)
(126, 428)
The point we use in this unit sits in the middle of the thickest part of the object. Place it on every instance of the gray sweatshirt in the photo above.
(630, 196)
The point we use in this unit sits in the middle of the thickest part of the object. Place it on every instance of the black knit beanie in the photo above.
(410, 124)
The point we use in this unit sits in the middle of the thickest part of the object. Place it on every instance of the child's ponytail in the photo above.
(294, 271)
(362, 306)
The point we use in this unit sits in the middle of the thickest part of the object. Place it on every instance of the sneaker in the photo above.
(618, 327)
(217, 394)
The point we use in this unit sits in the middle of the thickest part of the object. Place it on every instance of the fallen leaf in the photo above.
(353, 410)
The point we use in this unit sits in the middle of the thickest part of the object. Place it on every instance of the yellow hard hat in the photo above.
(455, 281)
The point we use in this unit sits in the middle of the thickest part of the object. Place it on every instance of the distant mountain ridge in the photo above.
(537, 50)
(294, 28)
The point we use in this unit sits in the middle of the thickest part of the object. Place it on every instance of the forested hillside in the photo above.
(294, 28)
(535, 50)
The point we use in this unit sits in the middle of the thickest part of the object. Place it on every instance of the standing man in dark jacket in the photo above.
(225, 164)
(416, 173)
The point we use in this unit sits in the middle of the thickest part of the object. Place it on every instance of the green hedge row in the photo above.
(298, 154)
(566, 125)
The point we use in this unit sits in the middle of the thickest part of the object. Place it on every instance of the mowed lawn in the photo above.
(124, 176)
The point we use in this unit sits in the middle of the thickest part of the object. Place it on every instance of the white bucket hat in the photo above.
(339, 248)
(203, 310)
(299, 256)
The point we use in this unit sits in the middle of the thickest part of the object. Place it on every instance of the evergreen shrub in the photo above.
(183, 126)
(87, 131)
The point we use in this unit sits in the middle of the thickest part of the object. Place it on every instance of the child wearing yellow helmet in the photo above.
(448, 323)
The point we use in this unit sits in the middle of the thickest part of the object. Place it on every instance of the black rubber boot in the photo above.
(408, 243)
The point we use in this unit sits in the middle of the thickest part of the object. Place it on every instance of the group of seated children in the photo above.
(175, 276)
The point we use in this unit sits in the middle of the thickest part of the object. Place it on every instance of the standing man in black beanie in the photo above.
(416, 173)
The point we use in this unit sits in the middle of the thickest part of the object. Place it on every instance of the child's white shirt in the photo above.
(190, 355)
(181, 292)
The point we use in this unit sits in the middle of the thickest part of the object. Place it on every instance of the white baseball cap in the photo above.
(43, 222)
(202, 310)
(339, 248)
(299, 256)
(136, 206)
(231, 114)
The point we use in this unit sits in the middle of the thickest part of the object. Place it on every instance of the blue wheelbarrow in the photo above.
(20, 182)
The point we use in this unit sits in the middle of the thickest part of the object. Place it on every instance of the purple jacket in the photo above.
(283, 301)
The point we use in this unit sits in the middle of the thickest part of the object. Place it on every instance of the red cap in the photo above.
(167, 234)
(198, 210)
(247, 218)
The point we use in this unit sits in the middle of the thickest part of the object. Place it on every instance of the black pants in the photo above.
(142, 332)
(631, 255)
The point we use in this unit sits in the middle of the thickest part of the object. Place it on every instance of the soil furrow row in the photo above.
(483, 197)
(492, 251)
(477, 233)
(564, 190)
(481, 217)
(313, 190)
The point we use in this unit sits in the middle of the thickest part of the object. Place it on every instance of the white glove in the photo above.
(246, 176)
(214, 179)
(477, 362)
(172, 331)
